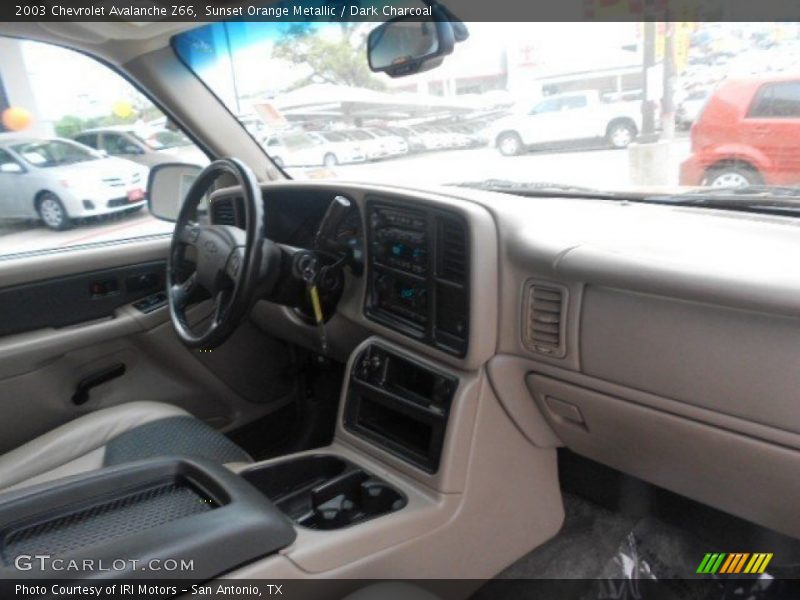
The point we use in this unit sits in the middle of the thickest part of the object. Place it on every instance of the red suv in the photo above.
(748, 133)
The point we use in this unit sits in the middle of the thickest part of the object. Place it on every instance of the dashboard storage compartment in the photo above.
(713, 464)
(177, 509)
(400, 405)
(324, 491)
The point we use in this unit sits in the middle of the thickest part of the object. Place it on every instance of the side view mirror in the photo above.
(167, 188)
(10, 167)
(409, 45)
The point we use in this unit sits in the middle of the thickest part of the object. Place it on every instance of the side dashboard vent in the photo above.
(545, 319)
(223, 212)
(452, 254)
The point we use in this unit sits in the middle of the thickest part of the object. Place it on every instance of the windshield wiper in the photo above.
(542, 189)
(775, 200)
(766, 191)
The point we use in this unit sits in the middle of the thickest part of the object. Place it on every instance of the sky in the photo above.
(68, 83)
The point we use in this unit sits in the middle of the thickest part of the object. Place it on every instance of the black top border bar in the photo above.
(376, 10)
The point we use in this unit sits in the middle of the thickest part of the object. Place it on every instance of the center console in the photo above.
(418, 282)
(322, 491)
(400, 405)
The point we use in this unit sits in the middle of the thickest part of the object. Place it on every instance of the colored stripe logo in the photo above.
(735, 562)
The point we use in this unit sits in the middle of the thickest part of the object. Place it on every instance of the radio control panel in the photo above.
(418, 273)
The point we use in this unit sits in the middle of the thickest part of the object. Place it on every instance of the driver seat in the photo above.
(112, 436)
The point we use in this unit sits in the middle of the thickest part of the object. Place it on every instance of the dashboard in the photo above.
(417, 257)
(628, 332)
(293, 218)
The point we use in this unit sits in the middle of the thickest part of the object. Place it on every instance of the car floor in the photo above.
(620, 529)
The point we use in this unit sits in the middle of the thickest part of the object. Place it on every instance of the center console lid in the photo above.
(123, 517)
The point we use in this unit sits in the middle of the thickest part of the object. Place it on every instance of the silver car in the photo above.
(146, 146)
(58, 180)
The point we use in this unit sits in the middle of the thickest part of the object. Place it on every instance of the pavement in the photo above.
(593, 167)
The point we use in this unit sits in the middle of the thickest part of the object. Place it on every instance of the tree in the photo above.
(339, 59)
(69, 126)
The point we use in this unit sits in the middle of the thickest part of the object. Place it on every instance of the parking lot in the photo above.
(596, 168)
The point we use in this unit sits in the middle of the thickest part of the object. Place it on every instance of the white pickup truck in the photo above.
(564, 118)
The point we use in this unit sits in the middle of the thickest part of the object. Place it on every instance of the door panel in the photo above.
(55, 347)
(76, 299)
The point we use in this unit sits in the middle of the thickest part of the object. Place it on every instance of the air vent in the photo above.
(223, 212)
(452, 254)
(546, 319)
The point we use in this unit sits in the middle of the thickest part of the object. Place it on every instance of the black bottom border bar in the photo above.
(712, 588)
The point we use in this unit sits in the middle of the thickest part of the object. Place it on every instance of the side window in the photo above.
(116, 144)
(547, 106)
(8, 164)
(87, 139)
(66, 193)
(777, 101)
(573, 102)
(786, 100)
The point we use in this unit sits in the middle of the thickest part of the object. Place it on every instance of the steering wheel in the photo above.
(229, 261)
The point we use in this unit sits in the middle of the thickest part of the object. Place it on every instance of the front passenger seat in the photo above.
(111, 436)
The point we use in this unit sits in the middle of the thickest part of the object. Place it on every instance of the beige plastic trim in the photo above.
(510, 503)
(736, 362)
(68, 261)
(507, 376)
(28, 351)
(452, 473)
(738, 474)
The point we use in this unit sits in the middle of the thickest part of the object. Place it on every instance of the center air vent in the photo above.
(223, 212)
(545, 319)
(452, 255)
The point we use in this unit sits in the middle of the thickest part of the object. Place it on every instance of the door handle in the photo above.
(85, 385)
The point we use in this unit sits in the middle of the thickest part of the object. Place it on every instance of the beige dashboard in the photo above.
(676, 337)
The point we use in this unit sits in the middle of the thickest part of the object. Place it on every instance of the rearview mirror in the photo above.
(408, 45)
(167, 188)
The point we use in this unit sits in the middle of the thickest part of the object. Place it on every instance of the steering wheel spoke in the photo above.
(189, 234)
(233, 265)
(221, 300)
(186, 293)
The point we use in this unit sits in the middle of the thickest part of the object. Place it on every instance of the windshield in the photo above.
(53, 153)
(640, 108)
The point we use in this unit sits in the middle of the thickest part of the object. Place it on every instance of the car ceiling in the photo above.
(116, 42)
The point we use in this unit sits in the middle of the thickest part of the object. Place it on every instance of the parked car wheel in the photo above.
(330, 160)
(731, 176)
(509, 144)
(620, 134)
(52, 212)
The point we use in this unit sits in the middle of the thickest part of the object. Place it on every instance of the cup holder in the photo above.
(324, 491)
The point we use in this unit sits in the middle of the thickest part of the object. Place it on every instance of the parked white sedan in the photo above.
(58, 181)
(337, 148)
